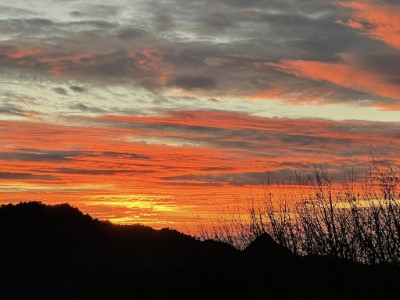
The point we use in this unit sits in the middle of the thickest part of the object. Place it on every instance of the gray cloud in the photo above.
(234, 179)
(213, 46)
(14, 110)
(61, 91)
(190, 82)
(101, 172)
(34, 155)
(85, 108)
(125, 155)
(386, 64)
(8, 11)
(131, 33)
(25, 176)
(77, 89)
(270, 138)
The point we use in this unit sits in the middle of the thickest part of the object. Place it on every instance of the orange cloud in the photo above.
(18, 54)
(341, 75)
(148, 63)
(163, 170)
(376, 19)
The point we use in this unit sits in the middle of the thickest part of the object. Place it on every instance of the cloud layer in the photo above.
(213, 48)
(190, 159)
(158, 109)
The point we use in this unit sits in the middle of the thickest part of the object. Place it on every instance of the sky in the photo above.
(157, 112)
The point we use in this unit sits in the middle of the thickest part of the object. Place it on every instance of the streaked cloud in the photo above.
(377, 19)
(153, 110)
(187, 148)
(346, 76)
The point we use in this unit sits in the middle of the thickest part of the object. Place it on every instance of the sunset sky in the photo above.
(155, 112)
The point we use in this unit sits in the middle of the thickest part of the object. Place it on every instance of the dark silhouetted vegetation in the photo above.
(56, 252)
(357, 220)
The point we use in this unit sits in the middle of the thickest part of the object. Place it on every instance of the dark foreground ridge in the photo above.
(56, 252)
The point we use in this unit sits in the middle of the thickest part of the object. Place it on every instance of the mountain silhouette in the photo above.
(56, 252)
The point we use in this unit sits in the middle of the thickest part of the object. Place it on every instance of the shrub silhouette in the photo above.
(357, 220)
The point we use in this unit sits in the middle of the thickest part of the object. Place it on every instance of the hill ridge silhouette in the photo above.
(57, 252)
